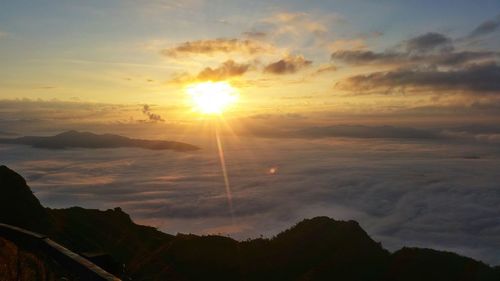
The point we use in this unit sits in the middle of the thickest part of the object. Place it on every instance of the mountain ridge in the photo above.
(76, 139)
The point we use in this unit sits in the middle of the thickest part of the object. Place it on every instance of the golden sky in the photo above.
(287, 58)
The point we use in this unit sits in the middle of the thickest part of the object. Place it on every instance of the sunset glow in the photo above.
(212, 97)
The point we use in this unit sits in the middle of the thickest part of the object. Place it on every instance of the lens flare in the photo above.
(222, 160)
(212, 97)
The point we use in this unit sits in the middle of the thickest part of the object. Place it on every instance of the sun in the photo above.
(212, 97)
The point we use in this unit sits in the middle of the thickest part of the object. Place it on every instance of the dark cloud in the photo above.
(152, 117)
(287, 65)
(7, 134)
(359, 131)
(255, 34)
(476, 78)
(278, 116)
(428, 62)
(426, 50)
(458, 58)
(486, 27)
(221, 45)
(490, 107)
(429, 42)
(353, 131)
(326, 68)
(359, 57)
(226, 70)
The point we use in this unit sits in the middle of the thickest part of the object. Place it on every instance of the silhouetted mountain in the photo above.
(74, 139)
(412, 264)
(315, 249)
(18, 205)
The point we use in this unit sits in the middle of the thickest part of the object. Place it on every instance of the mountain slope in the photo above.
(18, 205)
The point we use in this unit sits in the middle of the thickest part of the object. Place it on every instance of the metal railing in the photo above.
(72, 262)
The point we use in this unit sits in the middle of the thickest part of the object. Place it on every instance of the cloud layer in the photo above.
(414, 192)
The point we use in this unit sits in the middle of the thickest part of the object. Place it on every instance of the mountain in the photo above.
(75, 139)
(18, 205)
(320, 248)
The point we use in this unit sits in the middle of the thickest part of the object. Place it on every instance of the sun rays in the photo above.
(212, 97)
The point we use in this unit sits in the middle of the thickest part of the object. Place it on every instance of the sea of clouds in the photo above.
(420, 192)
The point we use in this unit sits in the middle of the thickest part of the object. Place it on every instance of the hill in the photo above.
(75, 139)
(320, 248)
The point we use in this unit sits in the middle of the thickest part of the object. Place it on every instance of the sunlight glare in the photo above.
(212, 97)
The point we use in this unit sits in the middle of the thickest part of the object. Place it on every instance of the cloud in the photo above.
(427, 62)
(429, 42)
(289, 22)
(8, 134)
(288, 65)
(152, 117)
(290, 116)
(298, 30)
(347, 44)
(475, 78)
(460, 58)
(402, 192)
(426, 49)
(486, 28)
(362, 57)
(37, 114)
(213, 46)
(255, 34)
(225, 71)
(357, 57)
(48, 117)
(354, 131)
(287, 16)
(326, 68)
(359, 131)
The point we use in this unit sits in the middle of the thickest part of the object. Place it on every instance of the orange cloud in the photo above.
(290, 64)
(326, 68)
(226, 70)
(213, 46)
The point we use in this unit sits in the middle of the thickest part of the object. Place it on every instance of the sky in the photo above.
(294, 56)
(381, 111)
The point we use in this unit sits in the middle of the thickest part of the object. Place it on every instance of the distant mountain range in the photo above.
(75, 139)
(314, 249)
